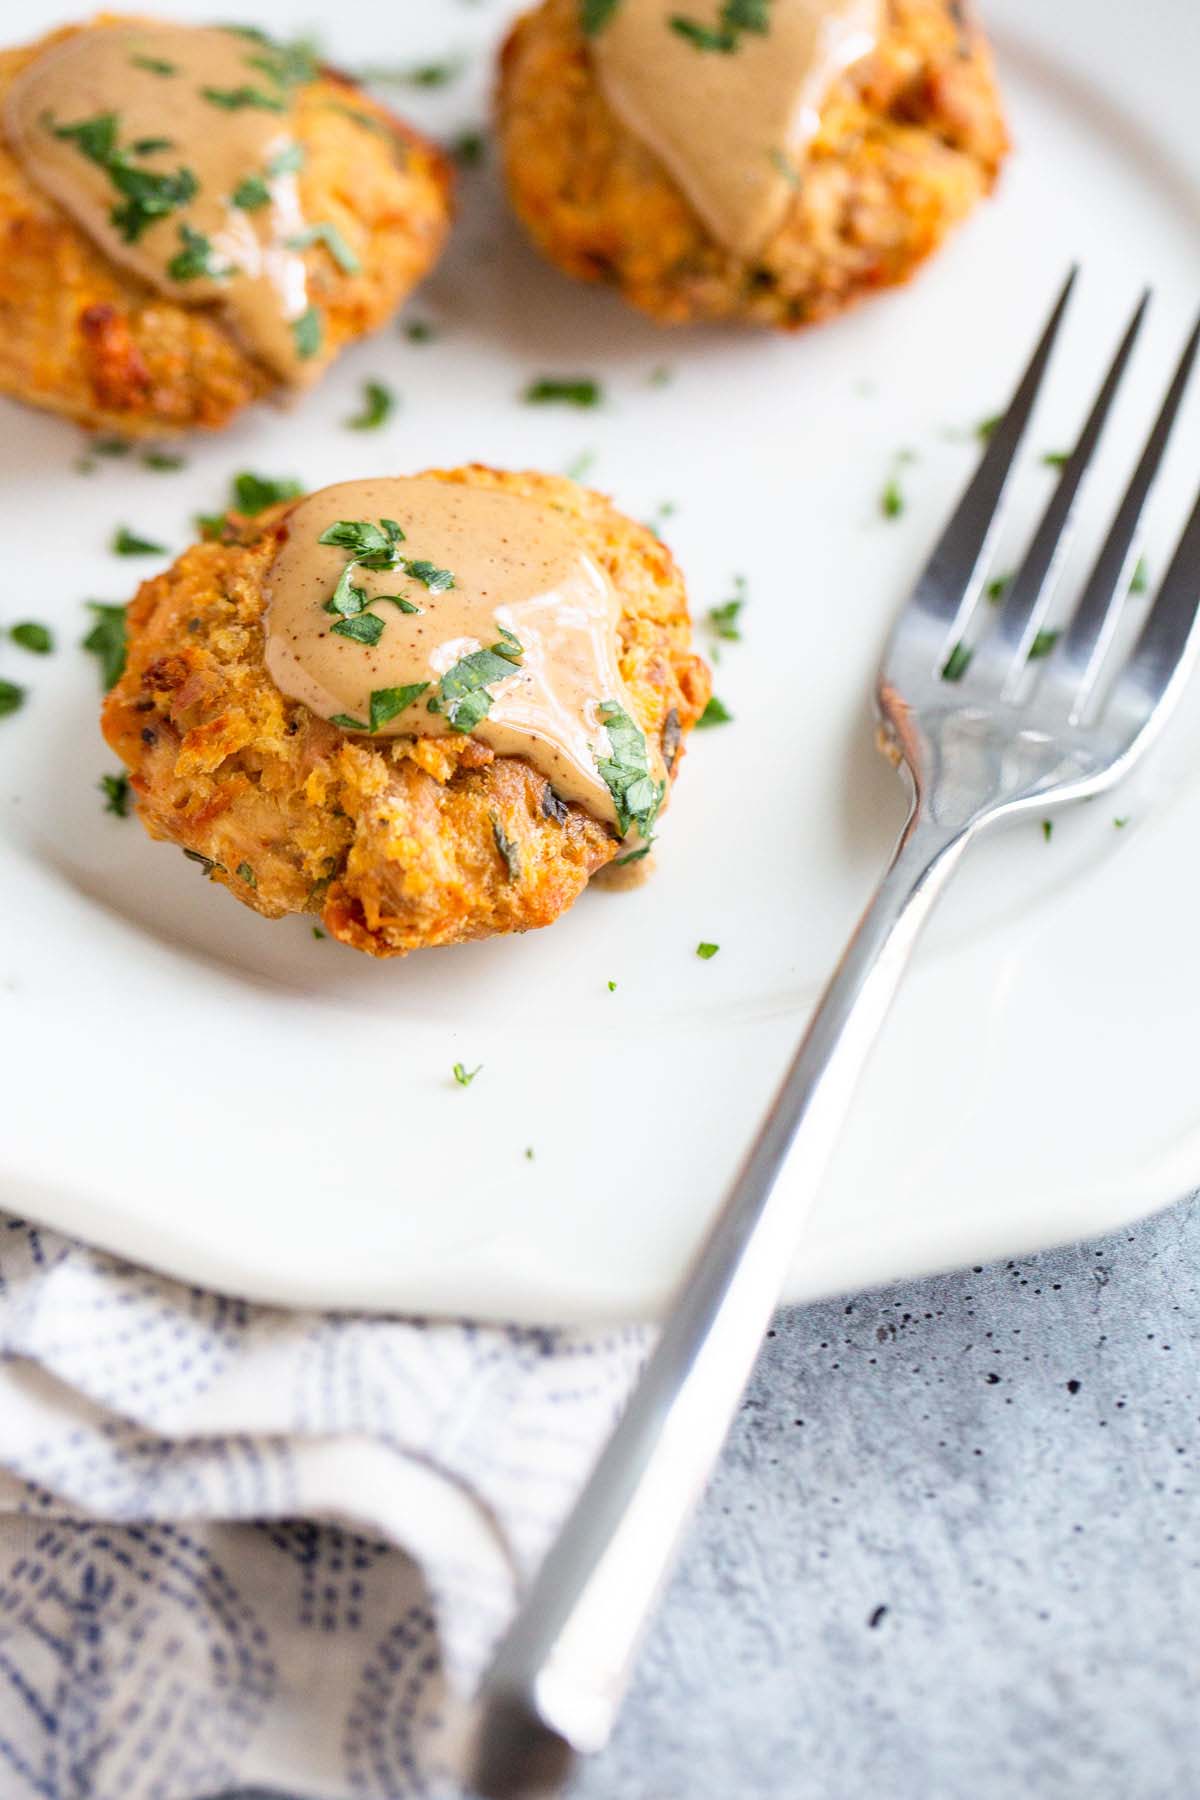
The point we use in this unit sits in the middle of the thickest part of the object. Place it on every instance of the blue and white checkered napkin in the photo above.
(242, 1547)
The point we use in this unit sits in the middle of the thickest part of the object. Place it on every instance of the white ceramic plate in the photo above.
(249, 1108)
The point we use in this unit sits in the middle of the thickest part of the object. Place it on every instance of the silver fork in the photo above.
(983, 734)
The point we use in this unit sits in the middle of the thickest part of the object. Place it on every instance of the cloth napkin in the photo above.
(248, 1548)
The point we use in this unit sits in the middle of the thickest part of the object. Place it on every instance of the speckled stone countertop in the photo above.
(952, 1549)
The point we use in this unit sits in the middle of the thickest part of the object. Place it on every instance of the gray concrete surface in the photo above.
(952, 1549)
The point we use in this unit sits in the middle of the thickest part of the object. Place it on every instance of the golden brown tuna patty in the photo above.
(909, 140)
(395, 844)
(81, 336)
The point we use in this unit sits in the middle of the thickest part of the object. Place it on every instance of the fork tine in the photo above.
(1006, 647)
(1089, 634)
(1160, 655)
(948, 585)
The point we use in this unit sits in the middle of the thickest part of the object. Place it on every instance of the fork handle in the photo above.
(558, 1677)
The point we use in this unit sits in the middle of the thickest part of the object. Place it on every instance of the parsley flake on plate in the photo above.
(419, 331)
(388, 703)
(467, 149)
(31, 636)
(127, 543)
(464, 1076)
(1043, 644)
(246, 874)
(252, 493)
(378, 404)
(155, 65)
(706, 952)
(12, 697)
(106, 641)
(715, 713)
(565, 390)
(724, 618)
(957, 663)
(117, 795)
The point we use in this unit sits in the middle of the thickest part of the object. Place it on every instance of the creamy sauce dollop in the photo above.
(731, 110)
(519, 573)
(117, 121)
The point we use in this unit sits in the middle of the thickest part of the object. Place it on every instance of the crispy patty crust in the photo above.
(396, 844)
(80, 336)
(909, 140)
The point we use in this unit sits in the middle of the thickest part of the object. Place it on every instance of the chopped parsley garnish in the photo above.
(306, 333)
(467, 149)
(329, 235)
(237, 99)
(372, 545)
(662, 376)
(1140, 579)
(388, 703)
(706, 952)
(594, 15)
(406, 606)
(465, 1077)
(288, 65)
(115, 789)
(626, 771)
(106, 641)
(891, 501)
(30, 636)
(12, 697)
(347, 723)
(151, 146)
(704, 37)
(154, 65)
(252, 493)
(363, 627)
(195, 258)
(317, 932)
(508, 848)
(1043, 644)
(1054, 459)
(251, 193)
(986, 428)
(421, 75)
(1121, 823)
(957, 663)
(612, 987)
(247, 874)
(145, 196)
(997, 587)
(378, 404)
(164, 461)
(567, 390)
(715, 713)
(287, 161)
(463, 697)
(438, 581)
(127, 543)
(419, 331)
(347, 598)
(724, 618)
(1047, 829)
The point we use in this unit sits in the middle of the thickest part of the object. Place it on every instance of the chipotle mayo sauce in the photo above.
(730, 110)
(487, 572)
(172, 147)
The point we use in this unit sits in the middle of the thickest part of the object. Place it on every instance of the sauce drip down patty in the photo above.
(417, 607)
(172, 147)
(729, 100)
